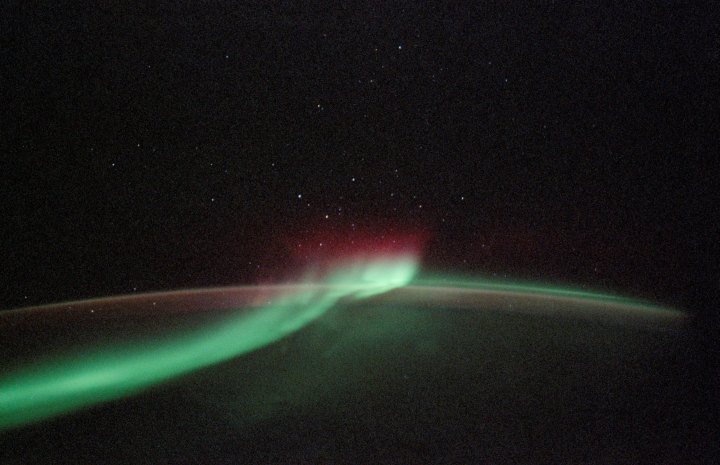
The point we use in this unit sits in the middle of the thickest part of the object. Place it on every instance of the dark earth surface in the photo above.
(413, 376)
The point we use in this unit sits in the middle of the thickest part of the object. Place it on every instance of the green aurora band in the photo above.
(60, 386)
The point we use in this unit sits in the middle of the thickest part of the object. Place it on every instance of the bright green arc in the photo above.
(56, 387)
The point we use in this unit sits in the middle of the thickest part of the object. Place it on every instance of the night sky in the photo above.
(190, 144)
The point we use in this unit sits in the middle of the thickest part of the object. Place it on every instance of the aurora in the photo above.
(62, 383)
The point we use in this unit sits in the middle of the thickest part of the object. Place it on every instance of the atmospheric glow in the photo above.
(57, 385)
(60, 386)
(494, 286)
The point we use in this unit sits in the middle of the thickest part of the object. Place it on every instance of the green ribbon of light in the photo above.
(60, 386)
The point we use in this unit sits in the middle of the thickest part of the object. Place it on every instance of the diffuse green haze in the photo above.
(59, 386)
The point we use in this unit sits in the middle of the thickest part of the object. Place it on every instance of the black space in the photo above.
(190, 144)
(148, 148)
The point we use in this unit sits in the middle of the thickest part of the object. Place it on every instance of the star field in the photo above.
(201, 144)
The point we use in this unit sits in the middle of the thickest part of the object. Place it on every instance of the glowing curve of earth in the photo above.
(239, 320)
